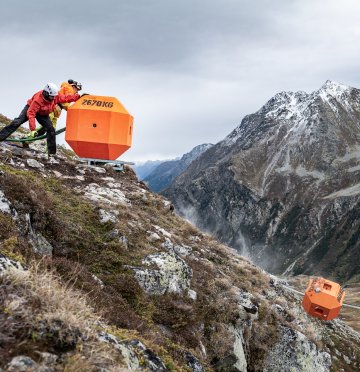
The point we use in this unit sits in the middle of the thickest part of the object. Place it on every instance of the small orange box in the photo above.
(98, 127)
(323, 298)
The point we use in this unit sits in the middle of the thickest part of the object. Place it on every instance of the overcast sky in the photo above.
(187, 70)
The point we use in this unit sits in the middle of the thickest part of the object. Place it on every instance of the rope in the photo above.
(293, 290)
(352, 306)
(302, 294)
(32, 139)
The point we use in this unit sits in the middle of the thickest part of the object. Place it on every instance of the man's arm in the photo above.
(66, 99)
(31, 114)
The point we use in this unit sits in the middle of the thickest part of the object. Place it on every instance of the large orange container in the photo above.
(98, 127)
(323, 298)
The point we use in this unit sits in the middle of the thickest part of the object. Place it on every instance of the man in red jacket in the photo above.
(39, 107)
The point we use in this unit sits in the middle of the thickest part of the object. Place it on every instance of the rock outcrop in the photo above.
(301, 354)
(172, 274)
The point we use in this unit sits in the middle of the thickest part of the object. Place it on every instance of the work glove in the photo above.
(33, 134)
(57, 111)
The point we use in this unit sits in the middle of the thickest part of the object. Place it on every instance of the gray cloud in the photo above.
(187, 70)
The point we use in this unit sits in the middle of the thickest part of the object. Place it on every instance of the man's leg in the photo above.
(50, 132)
(15, 124)
(53, 118)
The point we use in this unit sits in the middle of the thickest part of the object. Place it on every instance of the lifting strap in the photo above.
(32, 139)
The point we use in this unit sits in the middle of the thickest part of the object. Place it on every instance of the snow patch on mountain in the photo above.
(349, 191)
(302, 172)
(351, 153)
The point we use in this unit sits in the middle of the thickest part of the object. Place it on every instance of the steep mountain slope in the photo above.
(284, 186)
(97, 274)
(164, 174)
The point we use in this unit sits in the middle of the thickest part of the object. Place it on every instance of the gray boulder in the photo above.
(6, 263)
(136, 356)
(294, 352)
(172, 276)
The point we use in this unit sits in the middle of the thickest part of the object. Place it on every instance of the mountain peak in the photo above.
(330, 87)
(196, 151)
(296, 108)
(333, 88)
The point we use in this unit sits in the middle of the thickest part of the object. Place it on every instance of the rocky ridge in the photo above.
(162, 176)
(283, 187)
(98, 274)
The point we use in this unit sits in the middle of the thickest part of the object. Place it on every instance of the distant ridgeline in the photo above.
(161, 176)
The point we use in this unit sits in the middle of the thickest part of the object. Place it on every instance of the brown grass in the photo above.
(39, 313)
(4, 119)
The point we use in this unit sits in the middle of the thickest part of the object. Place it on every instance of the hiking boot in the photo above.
(52, 159)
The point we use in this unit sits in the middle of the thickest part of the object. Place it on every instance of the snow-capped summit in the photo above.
(334, 88)
(298, 109)
(334, 91)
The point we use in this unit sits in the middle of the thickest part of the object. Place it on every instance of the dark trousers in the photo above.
(43, 120)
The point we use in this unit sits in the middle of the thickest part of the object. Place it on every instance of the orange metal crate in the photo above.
(98, 127)
(323, 298)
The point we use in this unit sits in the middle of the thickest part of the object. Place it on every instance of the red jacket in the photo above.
(39, 105)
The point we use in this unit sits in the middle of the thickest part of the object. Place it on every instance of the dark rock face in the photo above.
(284, 187)
(162, 176)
